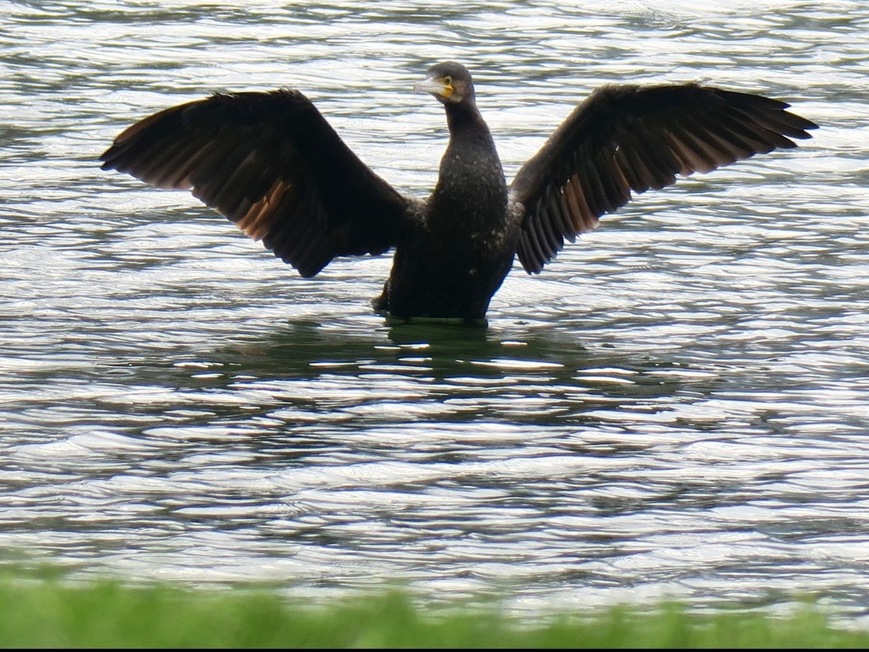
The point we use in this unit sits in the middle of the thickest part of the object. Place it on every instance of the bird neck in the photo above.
(464, 117)
(471, 143)
(471, 193)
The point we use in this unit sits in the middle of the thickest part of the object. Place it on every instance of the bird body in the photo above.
(456, 261)
(272, 164)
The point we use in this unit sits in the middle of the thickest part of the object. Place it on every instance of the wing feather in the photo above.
(273, 165)
(631, 138)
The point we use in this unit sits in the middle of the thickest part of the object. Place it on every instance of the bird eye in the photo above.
(448, 80)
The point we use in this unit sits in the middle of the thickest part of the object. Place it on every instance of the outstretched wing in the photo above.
(625, 138)
(272, 164)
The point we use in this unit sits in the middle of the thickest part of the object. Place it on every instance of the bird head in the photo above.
(449, 82)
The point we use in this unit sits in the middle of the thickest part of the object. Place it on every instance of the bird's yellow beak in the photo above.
(438, 86)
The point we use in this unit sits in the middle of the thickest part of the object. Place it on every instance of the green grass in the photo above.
(49, 613)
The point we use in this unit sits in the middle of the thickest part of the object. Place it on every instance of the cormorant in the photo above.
(271, 163)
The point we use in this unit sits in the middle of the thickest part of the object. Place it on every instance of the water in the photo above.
(676, 407)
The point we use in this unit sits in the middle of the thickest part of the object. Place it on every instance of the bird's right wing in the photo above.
(625, 138)
(272, 164)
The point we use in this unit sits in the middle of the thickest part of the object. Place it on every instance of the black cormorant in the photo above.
(271, 163)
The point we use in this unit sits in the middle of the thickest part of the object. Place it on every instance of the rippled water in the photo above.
(676, 407)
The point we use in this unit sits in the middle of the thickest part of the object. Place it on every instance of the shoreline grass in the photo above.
(48, 613)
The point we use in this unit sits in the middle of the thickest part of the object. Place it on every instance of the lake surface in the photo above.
(677, 407)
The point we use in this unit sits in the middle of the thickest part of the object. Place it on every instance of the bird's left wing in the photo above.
(272, 164)
(625, 138)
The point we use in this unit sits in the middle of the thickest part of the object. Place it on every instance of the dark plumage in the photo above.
(273, 165)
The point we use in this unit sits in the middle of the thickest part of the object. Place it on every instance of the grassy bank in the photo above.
(42, 613)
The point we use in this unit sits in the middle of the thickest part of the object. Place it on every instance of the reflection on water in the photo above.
(677, 406)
